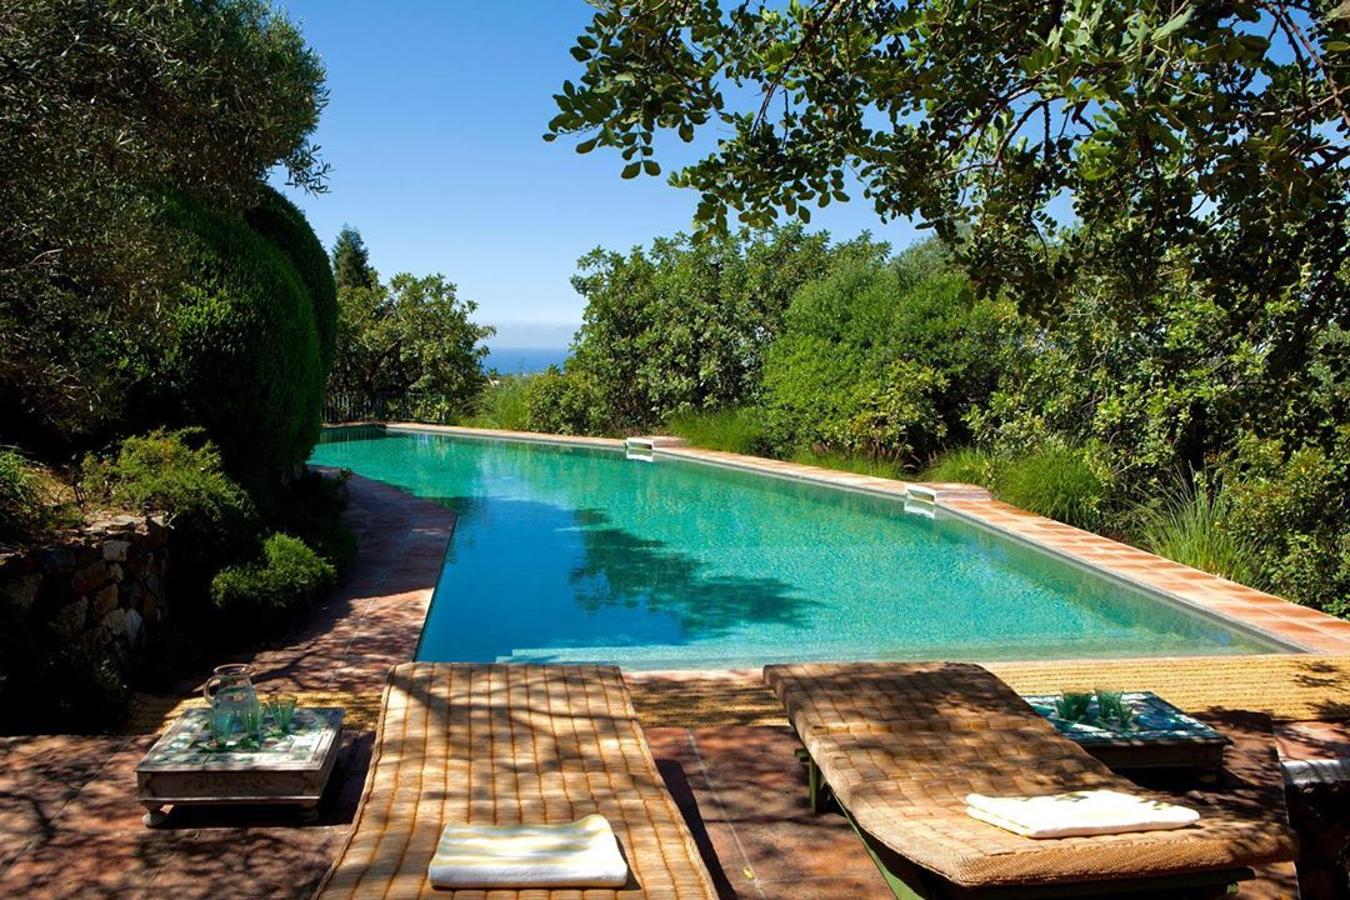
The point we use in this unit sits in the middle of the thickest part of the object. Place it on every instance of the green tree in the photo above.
(104, 106)
(412, 336)
(351, 261)
(1204, 136)
(884, 357)
(682, 325)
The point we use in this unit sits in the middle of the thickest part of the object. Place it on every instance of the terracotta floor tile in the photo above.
(1313, 740)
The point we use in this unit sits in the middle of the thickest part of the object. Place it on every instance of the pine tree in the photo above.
(351, 260)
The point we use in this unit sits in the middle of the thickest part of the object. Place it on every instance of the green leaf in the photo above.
(651, 167)
(1173, 25)
(631, 170)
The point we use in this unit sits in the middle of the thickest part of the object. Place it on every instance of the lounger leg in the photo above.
(816, 786)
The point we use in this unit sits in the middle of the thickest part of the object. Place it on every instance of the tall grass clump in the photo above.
(1057, 482)
(1187, 526)
(738, 430)
(875, 467)
(503, 404)
(964, 465)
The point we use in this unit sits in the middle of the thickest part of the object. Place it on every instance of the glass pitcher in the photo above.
(230, 689)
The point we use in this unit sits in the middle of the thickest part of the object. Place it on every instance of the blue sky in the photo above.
(433, 132)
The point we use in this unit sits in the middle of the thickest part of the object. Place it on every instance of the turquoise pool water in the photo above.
(569, 555)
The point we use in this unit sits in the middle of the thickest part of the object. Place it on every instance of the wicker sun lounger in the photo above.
(901, 745)
(488, 744)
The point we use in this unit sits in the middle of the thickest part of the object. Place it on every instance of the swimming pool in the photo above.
(569, 554)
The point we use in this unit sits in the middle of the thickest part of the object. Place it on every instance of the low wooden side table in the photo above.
(185, 767)
(1160, 736)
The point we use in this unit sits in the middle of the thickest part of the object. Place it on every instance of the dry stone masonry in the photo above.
(99, 588)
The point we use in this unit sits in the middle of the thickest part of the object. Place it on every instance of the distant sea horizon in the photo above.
(524, 360)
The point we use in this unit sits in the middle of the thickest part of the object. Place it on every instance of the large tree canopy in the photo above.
(106, 106)
(1208, 135)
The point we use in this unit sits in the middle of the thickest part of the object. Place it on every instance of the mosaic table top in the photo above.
(1155, 721)
(188, 745)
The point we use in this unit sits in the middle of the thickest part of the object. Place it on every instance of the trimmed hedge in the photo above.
(246, 362)
(282, 223)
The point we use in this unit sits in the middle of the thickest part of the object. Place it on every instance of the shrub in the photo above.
(503, 403)
(1293, 509)
(566, 402)
(177, 473)
(212, 520)
(897, 417)
(287, 578)
(965, 465)
(311, 511)
(883, 358)
(20, 497)
(1189, 527)
(278, 220)
(246, 362)
(732, 430)
(1057, 482)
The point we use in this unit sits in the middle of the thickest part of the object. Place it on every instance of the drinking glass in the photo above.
(251, 718)
(221, 722)
(282, 707)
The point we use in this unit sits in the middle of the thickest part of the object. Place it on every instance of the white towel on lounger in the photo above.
(579, 854)
(1078, 813)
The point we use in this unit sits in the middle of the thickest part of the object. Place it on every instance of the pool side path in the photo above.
(1299, 626)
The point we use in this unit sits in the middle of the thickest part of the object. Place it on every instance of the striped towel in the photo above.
(583, 853)
(1078, 813)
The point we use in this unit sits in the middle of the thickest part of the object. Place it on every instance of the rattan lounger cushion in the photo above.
(901, 745)
(490, 744)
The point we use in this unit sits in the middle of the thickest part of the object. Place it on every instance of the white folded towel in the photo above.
(583, 853)
(1078, 813)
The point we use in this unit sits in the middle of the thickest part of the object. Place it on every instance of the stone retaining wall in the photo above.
(99, 588)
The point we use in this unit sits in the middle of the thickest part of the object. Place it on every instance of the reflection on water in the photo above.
(570, 554)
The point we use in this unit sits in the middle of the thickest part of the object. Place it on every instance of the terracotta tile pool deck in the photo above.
(70, 827)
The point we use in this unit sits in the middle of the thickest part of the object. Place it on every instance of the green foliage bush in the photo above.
(177, 473)
(1056, 482)
(157, 96)
(278, 220)
(862, 465)
(21, 512)
(883, 358)
(287, 578)
(312, 509)
(739, 430)
(1191, 525)
(212, 520)
(567, 402)
(1293, 509)
(245, 363)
